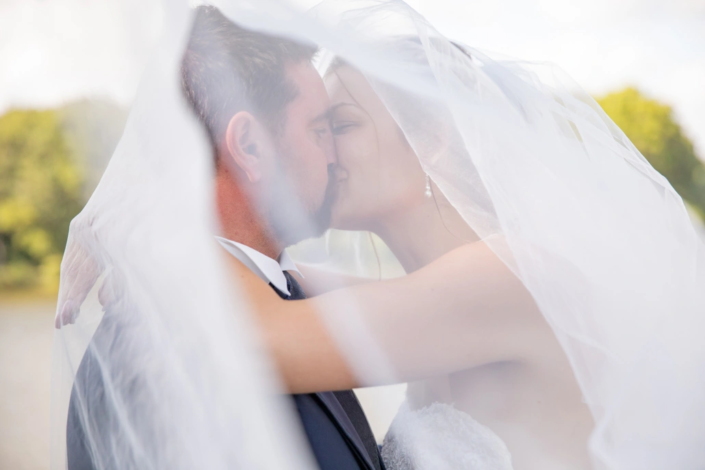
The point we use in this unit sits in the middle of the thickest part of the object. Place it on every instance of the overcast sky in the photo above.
(57, 50)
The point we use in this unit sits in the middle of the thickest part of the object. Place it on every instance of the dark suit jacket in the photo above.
(336, 427)
(335, 424)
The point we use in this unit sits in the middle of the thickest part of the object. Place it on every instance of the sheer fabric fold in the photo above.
(533, 165)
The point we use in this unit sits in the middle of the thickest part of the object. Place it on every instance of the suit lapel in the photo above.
(327, 399)
(333, 406)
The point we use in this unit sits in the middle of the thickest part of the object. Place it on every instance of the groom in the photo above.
(265, 110)
(266, 113)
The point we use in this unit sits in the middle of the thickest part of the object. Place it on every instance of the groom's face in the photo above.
(301, 190)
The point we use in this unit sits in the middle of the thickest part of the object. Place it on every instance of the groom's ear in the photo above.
(245, 141)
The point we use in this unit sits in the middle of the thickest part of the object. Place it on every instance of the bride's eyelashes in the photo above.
(342, 127)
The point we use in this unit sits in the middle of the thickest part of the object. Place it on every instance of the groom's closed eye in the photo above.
(321, 131)
(320, 125)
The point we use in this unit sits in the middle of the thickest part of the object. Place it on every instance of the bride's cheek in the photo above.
(345, 145)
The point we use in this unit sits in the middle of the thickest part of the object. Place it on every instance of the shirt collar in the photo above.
(266, 268)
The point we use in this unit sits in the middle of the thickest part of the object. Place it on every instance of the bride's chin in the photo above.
(340, 220)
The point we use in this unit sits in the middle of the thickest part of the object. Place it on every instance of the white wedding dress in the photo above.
(440, 437)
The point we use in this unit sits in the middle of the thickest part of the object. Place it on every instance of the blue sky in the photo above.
(52, 51)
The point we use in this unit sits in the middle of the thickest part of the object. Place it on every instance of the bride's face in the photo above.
(378, 170)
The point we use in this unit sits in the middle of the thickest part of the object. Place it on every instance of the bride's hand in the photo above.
(80, 270)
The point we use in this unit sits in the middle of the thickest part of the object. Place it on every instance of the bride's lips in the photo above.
(340, 173)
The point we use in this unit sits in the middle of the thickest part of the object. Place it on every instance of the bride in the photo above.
(531, 232)
(459, 315)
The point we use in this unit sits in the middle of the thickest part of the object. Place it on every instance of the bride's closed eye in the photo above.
(346, 117)
(341, 127)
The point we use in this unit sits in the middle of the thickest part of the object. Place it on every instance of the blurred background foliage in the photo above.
(51, 160)
(652, 128)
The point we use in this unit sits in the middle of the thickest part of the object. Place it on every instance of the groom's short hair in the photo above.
(227, 69)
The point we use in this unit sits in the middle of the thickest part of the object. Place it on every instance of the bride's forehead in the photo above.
(349, 85)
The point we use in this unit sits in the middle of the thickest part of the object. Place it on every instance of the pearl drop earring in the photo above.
(428, 193)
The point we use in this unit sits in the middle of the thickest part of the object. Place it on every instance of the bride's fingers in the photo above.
(111, 290)
(79, 272)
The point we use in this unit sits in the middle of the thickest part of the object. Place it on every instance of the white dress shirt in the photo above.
(266, 268)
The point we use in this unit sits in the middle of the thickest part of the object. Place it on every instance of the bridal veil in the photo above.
(533, 165)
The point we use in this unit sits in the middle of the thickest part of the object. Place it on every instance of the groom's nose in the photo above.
(330, 151)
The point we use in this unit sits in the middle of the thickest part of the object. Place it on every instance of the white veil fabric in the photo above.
(535, 168)
(204, 399)
(599, 238)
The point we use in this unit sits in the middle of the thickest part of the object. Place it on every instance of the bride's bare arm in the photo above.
(463, 310)
(298, 341)
(317, 281)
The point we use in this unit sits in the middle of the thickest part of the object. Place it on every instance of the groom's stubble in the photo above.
(303, 187)
(228, 70)
(290, 220)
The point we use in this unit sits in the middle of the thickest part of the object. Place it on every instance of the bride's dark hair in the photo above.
(427, 119)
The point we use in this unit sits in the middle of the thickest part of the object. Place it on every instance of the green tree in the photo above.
(650, 125)
(50, 160)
